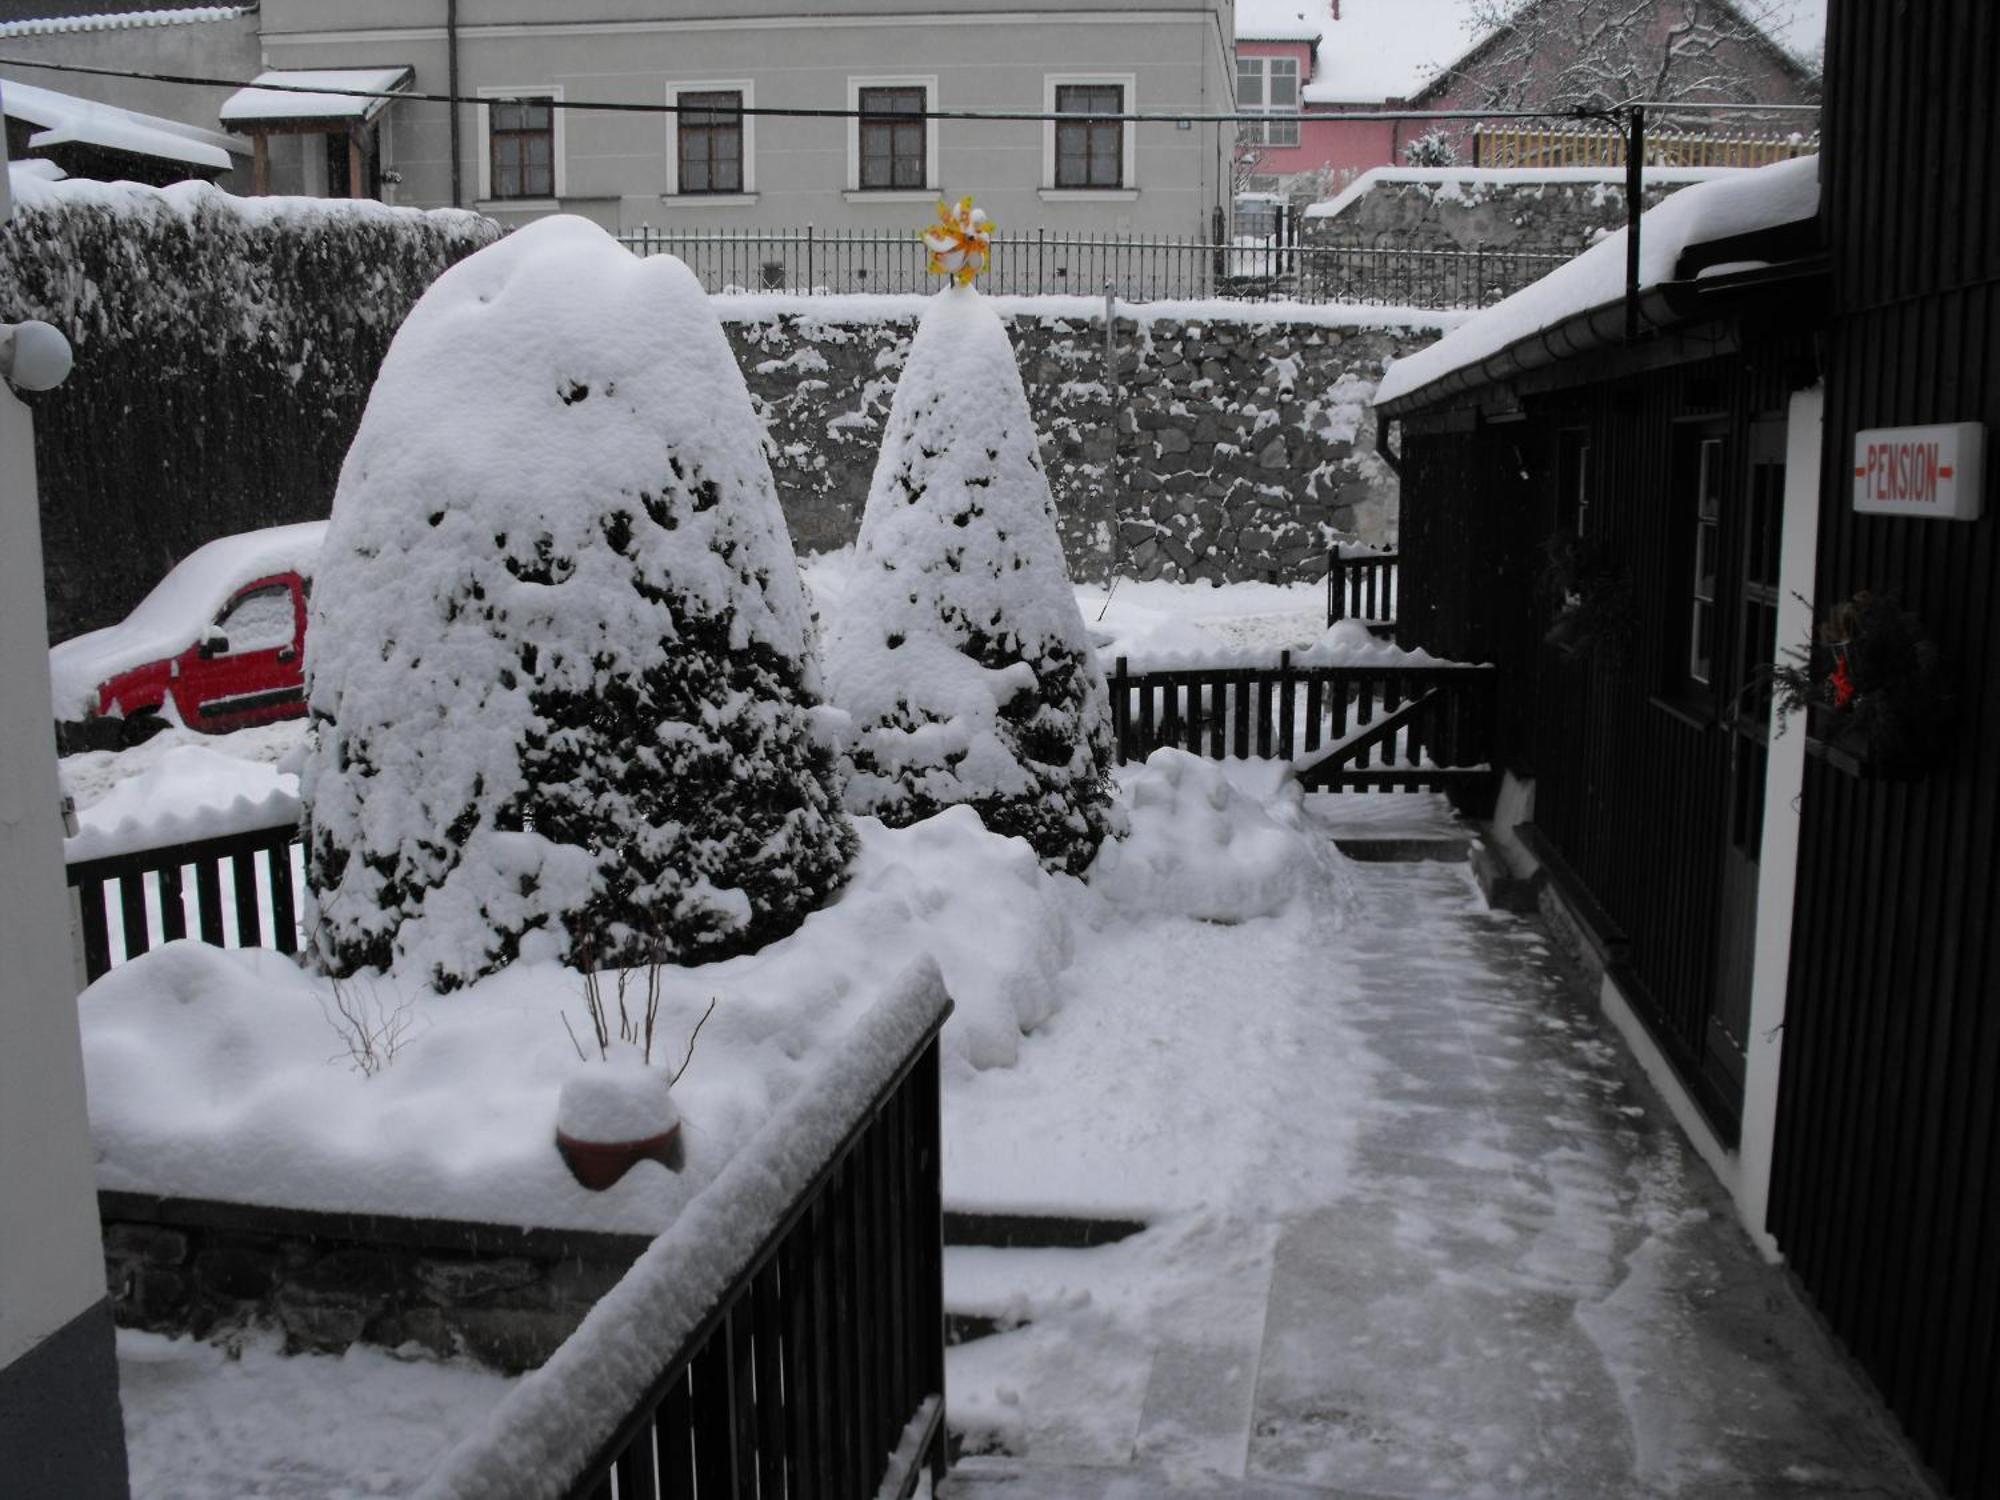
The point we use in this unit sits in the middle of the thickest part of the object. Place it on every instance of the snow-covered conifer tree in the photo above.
(560, 665)
(960, 652)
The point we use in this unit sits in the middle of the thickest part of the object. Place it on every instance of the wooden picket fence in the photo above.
(1598, 146)
(1349, 728)
(1363, 586)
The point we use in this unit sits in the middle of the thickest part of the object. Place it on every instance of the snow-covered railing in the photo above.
(785, 1336)
(236, 889)
(1389, 726)
(1361, 585)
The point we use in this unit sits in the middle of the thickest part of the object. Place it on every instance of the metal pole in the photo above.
(451, 65)
(1635, 206)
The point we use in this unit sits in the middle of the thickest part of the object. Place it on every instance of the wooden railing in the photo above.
(1349, 728)
(236, 891)
(816, 1370)
(1363, 587)
(1588, 146)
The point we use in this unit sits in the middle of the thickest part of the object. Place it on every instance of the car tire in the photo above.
(137, 728)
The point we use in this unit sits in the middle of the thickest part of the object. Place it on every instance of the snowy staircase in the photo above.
(1023, 1233)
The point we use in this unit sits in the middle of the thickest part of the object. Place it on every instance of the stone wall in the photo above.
(1209, 446)
(503, 1296)
(1456, 208)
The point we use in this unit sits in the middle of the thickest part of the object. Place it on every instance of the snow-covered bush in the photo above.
(1432, 149)
(228, 344)
(560, 667)
(960, 651)
(1203, 847)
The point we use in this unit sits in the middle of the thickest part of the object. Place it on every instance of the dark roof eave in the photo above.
(1662, 308)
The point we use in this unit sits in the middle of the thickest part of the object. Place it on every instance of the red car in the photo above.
(218, 645)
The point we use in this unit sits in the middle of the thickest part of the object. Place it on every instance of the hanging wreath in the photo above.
(1872, 688)
(960, 243)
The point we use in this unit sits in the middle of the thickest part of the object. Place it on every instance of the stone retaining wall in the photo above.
(503, 1296)
(1199, 446)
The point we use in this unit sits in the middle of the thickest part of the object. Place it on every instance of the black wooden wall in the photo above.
(1629, 787)
(1887, 1190)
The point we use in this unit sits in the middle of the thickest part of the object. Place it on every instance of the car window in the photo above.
(261, 620)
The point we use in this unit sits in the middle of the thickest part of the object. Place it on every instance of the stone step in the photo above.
(1393, 850)
(1035, 1231)
(999, 1478)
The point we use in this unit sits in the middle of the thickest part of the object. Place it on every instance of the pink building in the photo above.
(1310, 64)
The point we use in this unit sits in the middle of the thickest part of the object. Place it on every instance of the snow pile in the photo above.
(1349, 643)
(225, 1074)
(1202, 847)
(559, 656)
(189, 792)
(1381, 50)
(623, 1099)
(959, 650)
(1784, 193)
(170, 618)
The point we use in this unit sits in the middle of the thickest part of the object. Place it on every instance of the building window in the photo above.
(1090, 153)
(709, 149)
(522, 141)
(894, 140)
(1706, 555)
(1268, 86)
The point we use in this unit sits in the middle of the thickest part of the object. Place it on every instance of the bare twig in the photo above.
(373, 1033)
(691, 1037)
(581, 1056)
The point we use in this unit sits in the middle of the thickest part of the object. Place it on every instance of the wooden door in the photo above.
(1750, 619)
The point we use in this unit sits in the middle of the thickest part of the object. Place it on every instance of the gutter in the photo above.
(1655, 309)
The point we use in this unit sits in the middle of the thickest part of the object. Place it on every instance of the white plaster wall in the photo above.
(51, 1262)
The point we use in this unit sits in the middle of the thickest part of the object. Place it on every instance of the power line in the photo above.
(800, 113)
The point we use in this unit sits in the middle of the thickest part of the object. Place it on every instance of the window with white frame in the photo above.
(892, 148)
(711, 142)
(1093, 153)
(1268, 86)
(522, 155)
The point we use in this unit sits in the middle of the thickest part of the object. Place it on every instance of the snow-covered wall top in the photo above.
(1782, 194)
(1470, 184)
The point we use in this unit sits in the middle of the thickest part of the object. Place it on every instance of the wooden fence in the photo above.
(243, 889)
(1596, 146)
(1363, 587)
(820, 1371)
(1350, 728)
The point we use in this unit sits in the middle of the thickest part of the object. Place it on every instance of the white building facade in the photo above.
(712, 166)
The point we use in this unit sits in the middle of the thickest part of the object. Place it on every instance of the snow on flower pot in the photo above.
(613, 1116)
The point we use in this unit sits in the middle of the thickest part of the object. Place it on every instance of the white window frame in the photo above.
(748, 90)
(557, 144)
(1259, 135)
(933, 172)
(1128, 170)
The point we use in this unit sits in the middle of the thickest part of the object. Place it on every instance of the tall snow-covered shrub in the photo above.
(960, 652)
(560, 663)
(224, 350)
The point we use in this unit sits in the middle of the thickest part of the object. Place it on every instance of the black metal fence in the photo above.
(1351, 728)
(820, 1372)
(1037, 262)
(240, 891)
(1363, 587)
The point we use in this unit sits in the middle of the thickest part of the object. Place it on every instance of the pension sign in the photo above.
(1932, 472)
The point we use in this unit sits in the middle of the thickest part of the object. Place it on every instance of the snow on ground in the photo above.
(205, 1423)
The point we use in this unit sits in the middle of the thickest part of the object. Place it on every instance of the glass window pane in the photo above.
(506, 179)
(694, 175)
(540, 150)
(728, 175)
(1249, 83)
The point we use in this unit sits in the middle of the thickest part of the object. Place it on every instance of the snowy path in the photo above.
(1415, 1235)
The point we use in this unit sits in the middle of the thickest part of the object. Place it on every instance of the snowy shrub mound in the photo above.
(560, 666)
(1202, 847)
(959, 649)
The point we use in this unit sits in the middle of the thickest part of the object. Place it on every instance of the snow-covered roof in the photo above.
(278, 94)
(1785, 193)
(189, 15)
(1282, 20)
(168, 619)
(64, 119)
(1388, 49)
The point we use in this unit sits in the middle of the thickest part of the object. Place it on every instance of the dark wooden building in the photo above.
(1802, 942)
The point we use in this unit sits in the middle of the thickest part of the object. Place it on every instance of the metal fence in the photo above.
(823, 262)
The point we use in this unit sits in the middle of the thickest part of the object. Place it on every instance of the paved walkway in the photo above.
(1517, 1281)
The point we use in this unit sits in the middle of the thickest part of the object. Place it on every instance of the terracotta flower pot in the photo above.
(611, 1117)
(599, 1164)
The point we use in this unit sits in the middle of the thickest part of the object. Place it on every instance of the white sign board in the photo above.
(1932, 472)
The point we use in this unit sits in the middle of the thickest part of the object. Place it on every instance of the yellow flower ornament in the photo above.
(960, 243)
